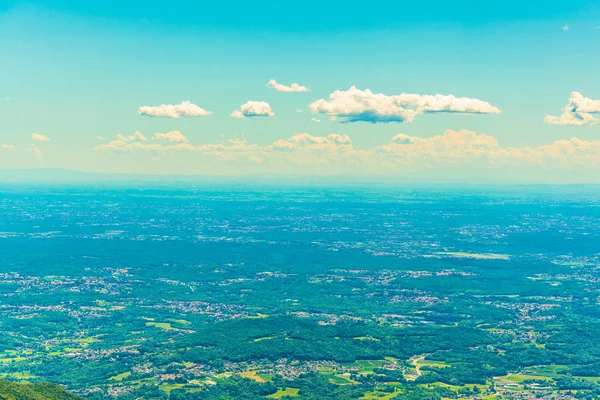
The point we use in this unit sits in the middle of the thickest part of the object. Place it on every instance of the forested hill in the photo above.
(34, 391)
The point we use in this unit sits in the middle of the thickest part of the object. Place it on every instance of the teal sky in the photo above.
(75, 73)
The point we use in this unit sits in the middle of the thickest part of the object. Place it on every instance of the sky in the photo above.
(462, 90)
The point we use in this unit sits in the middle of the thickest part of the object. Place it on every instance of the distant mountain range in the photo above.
(59, 175)
(65, 175)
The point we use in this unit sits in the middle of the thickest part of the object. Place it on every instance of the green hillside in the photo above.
(34, 391)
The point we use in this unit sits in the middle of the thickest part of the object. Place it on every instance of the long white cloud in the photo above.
(299, 141)
(578, 112)
(253, 109)
(461, 148)
(294, 87)
(185, 109)
(8, 146)
(354, 105)
(452, 149)
(138, 141)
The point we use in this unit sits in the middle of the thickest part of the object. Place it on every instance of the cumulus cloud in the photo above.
(8, 146)
(578, 112)
(185, 109)
(136, 136)
(294, 87)
(567, 153)
(451, 150)
(333, 143)
(354, 105)
(40, 138)
(138, 141)
(464, 148)
(253, 109)
(173, 136)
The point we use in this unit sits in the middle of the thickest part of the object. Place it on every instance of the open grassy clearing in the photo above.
(432, 363)
(287, 392)
(252, 375)
(519, 378)
(167, 387)
(180, 321)
(376, 395)
(367, 338)
(550, 371)
(9, 360)
(260, 339)
(340, 380)
(162, 325)
(120, 377)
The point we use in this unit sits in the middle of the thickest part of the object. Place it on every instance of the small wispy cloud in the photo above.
(8, 146)
(37, 152)
(294, 87)
(565, 28)
(39, 137)
(253, 109)
(185, 109)
(315, 120)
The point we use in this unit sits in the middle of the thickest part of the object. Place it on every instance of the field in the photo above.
(180, 292)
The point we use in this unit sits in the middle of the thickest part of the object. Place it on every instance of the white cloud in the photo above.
(300, 141)
(8, 146)
(136, 136)
(100, 138)
(138, 141)
(299, 110)
(40, 138)
(253, 109)
(444, 153)
(294, 87)
(315, 120)
(123, 145)
(37, 152)
(452, 146)
(185, 109)
(173, 136)
(355, 105)
(578, 112)
(464, 148)
(565, 28)
(566, 153)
